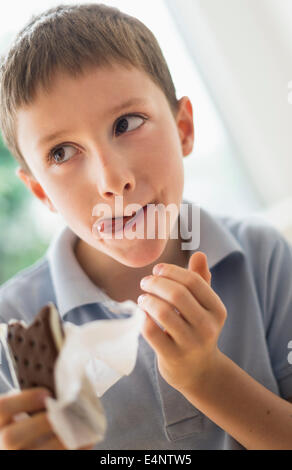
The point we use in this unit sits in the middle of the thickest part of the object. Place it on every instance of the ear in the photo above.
(34, 187)
(185, 125)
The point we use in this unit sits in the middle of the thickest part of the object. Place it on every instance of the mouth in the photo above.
(116, 224)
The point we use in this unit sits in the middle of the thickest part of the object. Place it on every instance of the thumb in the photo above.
(198, 263)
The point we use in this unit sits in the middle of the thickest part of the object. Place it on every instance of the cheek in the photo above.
(163, 144)
(71, 199)
(167, 154)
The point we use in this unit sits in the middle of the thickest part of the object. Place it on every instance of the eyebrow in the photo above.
(126, 104)
(116, 109)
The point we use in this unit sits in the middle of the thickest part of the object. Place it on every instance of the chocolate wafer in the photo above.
(33, 349)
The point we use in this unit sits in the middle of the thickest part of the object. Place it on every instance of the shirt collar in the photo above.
(74, 288)
(211, 234)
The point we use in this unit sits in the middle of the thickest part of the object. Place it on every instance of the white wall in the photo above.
(244, 50)
(238, 45)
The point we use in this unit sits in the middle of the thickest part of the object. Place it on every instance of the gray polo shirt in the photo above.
(251, 266)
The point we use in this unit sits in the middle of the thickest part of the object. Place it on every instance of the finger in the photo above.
(52, 443)
(198, 263)
(29, 400)
(90, 447)
(197, 286)
(159, 340)
(24, 433)
(178, 296)
(167, 316)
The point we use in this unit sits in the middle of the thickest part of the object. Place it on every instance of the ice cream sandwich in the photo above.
(32, 349)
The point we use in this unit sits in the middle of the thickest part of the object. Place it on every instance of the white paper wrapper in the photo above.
(93, 357)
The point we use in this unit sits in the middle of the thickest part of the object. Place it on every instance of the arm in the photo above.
(189, 359)
(252, 414)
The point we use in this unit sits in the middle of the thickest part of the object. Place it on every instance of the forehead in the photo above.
(91, 96)
(104, 87)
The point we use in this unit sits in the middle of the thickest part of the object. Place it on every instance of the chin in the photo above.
(144, 255)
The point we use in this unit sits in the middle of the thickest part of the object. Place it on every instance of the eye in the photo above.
(123, 123)
(58, 155)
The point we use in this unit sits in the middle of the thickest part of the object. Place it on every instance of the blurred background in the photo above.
(232, 58)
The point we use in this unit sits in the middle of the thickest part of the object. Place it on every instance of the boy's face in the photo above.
(98, 155)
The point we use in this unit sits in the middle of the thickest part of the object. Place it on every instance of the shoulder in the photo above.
(256, 236)
(23, 295)
(268, 260)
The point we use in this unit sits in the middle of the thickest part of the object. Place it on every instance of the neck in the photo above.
(122, 282)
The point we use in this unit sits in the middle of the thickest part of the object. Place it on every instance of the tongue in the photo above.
(116, 223)
(125, 218)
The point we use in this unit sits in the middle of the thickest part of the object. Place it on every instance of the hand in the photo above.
(187, 349)
(31, 433)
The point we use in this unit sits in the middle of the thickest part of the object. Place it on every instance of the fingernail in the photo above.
(141, 298)
(157, 269)
(144, 281)
(44, 395)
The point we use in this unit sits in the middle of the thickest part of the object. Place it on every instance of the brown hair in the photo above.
(69, 38)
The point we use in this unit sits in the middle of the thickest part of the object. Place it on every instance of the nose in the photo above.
(114, 177)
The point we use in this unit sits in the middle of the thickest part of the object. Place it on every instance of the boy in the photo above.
(92, 81)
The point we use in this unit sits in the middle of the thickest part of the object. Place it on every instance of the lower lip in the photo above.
(123, 224)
